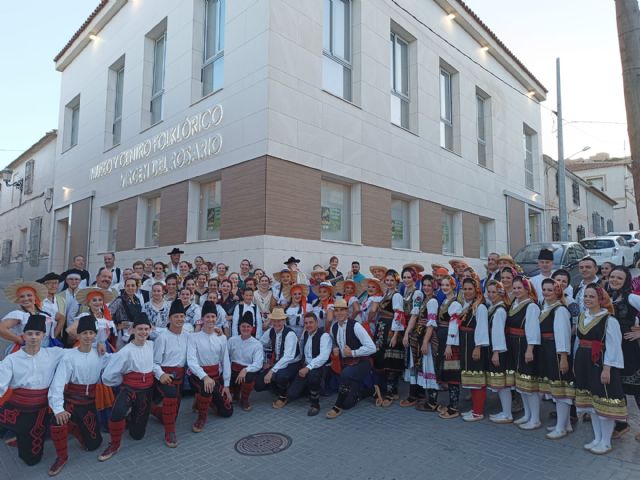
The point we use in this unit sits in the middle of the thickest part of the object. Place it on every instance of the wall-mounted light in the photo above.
(531, 93)
(451, 16)
(93, 37)
(7, 176)
(485, 48)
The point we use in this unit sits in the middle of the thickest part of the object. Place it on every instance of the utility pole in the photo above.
(562, 192)
(628, 22)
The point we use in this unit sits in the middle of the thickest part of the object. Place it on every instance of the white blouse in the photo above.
(531, 323)
(206, 349)
(33, 372)
(613, 340)
(455, 309)
(325, 351)
(561, 328)
(130, 358)
(169, 350)
(247, 352)
(498, 338)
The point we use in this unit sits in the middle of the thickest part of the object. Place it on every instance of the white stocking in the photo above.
(606, 429)
(534, 406)
(505, 400)
(562, 410)
(525, 404)
(597, 432)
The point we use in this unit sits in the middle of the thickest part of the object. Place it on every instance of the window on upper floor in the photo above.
(116, 128)
(113, 110)
(210, 210)
(157, 86)
(212, 71)
(597, 182)
(399, 51)
(575, 191)
(152, 227)
(336, 49)
(483, 129)
(529, 139)
(71, 124)
(400, 227)
(28, 176)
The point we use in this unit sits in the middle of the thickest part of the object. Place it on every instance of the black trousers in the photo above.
(351, 381)
(223, 407)
(139, 401)
(311, 382)
(84, 423)
(29, 425)
(280, 380)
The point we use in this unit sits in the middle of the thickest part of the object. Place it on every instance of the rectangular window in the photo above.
(575, 190)
(336, 61)
(482, 131)
(6, 252)
(112, 229)
(399, 50)
(597, 182)
(157, 88)
(152, 232)
(484, 239)
(28, 176)
(71, 123)
(528, 160)
(209, 217)
(446, 110)
(335, 211)
(555, 228)
(448, 233)
(116, 128)
(75, 120)
(35, 235)
(400, 229)
(213, 61)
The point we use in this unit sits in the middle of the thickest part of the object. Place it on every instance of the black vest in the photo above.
(272, 338)
(546, 323)
(315, 342)
(518, 319)
(625, 314)
(351, 339)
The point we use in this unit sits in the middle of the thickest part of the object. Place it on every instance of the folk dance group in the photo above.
(126, 358)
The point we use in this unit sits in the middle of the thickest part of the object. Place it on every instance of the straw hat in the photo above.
(506, 258)
(340, 303)
(358, 287)
(11, 291)
(365, 283)
(457, 261)
(277, 314)
(294, 275)
(435, 266)
(416, 266)
(83, 293)
(373, 268)
(328, 285)
(287, 291)
(319, 270)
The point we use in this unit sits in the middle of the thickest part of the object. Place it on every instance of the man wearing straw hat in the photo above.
(354, 346)
(72, 395)
(28, 373)
(285, 358)
(318, 275)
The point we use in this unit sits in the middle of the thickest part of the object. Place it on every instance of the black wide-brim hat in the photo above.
(175, 251)
(292, 260)
(50, 276)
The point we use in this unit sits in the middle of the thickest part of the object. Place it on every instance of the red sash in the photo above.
(74, 392)
(213, 371)
(548, 336)
(178, 373)
(237, 367)
(137, 380)
(596, 348)
(516, 332)
(25, 397)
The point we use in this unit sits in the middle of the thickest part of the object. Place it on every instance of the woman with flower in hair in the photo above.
(627, 305)
(598, 364)
(388, 361)
(497, 379)
(554, 359)
(421, 338)
(523, 339)
(473, 338)
(448, 359)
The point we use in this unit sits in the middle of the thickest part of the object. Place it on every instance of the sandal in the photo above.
(388, 401)
(449, 413)
(427, 407)
(409, 402)
(378, 396)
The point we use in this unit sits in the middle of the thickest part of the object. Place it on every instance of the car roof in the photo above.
(603, 237)
(630, 232)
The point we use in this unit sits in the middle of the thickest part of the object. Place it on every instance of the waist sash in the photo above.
(137, 380)
(26, 397)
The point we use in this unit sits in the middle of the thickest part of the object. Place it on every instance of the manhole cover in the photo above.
(263, 444)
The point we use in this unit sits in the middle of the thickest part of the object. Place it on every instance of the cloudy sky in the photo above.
(581, 32)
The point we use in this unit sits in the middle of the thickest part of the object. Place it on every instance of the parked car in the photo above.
(633, 239)
(566, 255)
(609, 249)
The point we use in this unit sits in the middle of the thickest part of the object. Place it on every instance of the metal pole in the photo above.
(562, 193)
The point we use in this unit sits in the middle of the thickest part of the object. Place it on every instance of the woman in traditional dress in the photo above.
(419, 337)
(226, 299)
(497, 379)
(322, 305)
(598, 364)
(157, 309)
(603, 273)
(236, 291)
(507, 275)
(201, 287)
(374, 291)
(333, 274)
(171, 284)
(627, 307)
(448, 359)
(351, 291)
(264, 300)
(124, 310)
(297, 307)
(523, 340)
(473, 336)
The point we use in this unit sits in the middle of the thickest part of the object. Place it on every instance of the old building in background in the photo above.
(364, 129)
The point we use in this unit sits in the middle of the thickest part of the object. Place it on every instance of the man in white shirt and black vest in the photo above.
(353, 346)
(316, 348)
(242, 308)
(285, 359)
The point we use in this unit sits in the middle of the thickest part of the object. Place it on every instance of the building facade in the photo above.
(613, 177)
(26, 212)
(262, 129)
(590, 211)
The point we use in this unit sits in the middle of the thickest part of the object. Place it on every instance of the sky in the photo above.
(581, 32)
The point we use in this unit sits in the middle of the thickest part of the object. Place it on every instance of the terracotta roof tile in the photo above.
(96, 11)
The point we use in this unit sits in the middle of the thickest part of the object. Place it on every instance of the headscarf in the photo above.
(528, 287)
(604, 300)
(557, 289)
(501, 291)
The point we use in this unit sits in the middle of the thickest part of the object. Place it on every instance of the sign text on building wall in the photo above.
(187, 153)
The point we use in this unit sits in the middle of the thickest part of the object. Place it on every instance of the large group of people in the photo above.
(88, 358)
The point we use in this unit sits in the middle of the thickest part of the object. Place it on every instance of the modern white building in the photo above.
(590, 211)
(26, 202)
(382, 130)
(613, 177)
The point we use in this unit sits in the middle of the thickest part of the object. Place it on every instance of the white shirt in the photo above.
(561, 327)
(432, 313)
(50, 307)
(481, 333)
(295, 319)
(22, 317)
(580, 295)
(531, 323)
(397, 303)
(169, 350)
(498, 322)
(289, 353)
(130, 358)
(453, 332)
(367, 346)
(613, 339)
(325, 350)
(247, 352)
(205, 349)
(33, 372)
(75, 367)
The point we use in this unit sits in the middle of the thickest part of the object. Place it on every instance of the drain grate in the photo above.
(266, 443)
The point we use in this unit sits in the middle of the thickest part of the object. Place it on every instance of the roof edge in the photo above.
(48, 137)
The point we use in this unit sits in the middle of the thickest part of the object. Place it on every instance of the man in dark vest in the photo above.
(316, 348)
(284, 364)
(353, 346)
